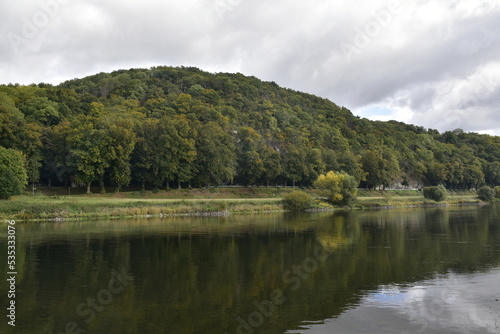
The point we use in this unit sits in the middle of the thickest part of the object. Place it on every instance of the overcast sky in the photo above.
(434, 63)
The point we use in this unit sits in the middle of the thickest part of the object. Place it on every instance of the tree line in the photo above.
(182, 127)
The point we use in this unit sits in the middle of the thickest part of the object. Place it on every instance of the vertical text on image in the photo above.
(11, 273)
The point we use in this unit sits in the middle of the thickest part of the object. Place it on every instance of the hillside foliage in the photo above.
(178, 127)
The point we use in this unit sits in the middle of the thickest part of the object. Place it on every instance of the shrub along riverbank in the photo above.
(51, 204)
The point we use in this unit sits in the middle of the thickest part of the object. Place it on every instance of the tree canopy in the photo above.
(180, 126)
(13, 176)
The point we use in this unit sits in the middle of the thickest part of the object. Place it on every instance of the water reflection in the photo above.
(262, 273)
(451, 303)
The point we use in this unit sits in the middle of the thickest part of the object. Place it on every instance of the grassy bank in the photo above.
(54, 204)
(411, 198)
(76, 207)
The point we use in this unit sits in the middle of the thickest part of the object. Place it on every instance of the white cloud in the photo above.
(451, 303)
(466, 302)
(422, 61)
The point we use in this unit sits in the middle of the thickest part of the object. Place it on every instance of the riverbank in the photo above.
(53, 204)
(411, 198)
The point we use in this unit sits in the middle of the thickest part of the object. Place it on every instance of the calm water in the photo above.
(398, 271)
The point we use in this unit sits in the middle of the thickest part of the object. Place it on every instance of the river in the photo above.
(401, 271)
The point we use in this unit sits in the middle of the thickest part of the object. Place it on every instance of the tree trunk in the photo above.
(179, 184)
(88, 187)
(101, 184)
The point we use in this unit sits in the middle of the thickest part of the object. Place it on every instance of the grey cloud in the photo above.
(296, 44)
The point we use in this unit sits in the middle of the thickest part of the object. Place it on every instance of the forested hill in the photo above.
(184, 127)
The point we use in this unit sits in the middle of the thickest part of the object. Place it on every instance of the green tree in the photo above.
(272, 165)
(13, 176)
(166, 151)
(56, 158)
(436, 173)
(473, 175)
(185, 150)
(454, 174)
(497, 192)
(216, 158)
(314, 164)
(42, 110)
(381, 167)
(250, 150)
(31, 145)
(492, 173)
(294, 163)
(11, 121)
(144, 153)
(89, 149)
(121, 144)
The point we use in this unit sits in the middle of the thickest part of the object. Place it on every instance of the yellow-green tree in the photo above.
(340, 188)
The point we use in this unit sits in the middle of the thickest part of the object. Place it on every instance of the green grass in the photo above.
(87, 207)
(381, 193)
(408, 201)
(52, 204)
(203, 193)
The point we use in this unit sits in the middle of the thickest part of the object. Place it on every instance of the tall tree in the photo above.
(294, 163)
(89, 148)
(381, 168)
(13, 176)
(31, 145)
(216, 158)
(250, 150)
(121, 144)
(185, 150)
(272, 165)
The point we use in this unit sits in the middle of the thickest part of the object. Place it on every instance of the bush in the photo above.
(437, 194)
(497, 192)
(297, 201)
(486, 194)
(341, 188)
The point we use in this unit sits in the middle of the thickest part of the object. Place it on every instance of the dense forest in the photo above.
(182, 127)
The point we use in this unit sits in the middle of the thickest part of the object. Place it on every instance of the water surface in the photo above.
(392, 271)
